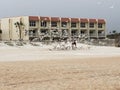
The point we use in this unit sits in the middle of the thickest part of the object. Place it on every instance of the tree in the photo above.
(0, 34)
(19, 25)
(0, 31)
(114, 31)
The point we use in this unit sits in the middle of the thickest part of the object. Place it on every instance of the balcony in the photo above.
(33, 35)
(54, 25)
(74, 33)
(101, 33)
(92, 33)
(64, 26)
(74, 25)
(92, 26)
(92, 23)
(83, 25)
(65, 33)
(55, 33)
(33, 24)
(44, 32)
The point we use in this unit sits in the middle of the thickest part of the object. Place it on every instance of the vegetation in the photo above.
(0, 34)
(116, 36)
(19, 25)
(0, 31)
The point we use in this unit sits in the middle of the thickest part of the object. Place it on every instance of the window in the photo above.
(32, 23)
(100, 25)
(91, 25)
(53, 24)
(43, 24)
(64, 24)
(73, 24)
(82, 25)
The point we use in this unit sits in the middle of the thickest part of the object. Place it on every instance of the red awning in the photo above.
(75, 20)
(65, 20)
(84, 20)
(92, 20)
(44, 18)
(101, 21)
(55, 19)
(33, 18)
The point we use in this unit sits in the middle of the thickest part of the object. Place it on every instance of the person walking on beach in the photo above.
(74, 44)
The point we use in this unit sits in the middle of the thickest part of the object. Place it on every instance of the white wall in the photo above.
(10, 31)
(5, 28)
(25, 20)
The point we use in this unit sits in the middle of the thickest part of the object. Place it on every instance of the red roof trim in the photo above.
(44, 18)
(33, 18)
(65, 20)
(84, 20)
(101, 21)
(75, 20)
(92, 20)
(55, 19)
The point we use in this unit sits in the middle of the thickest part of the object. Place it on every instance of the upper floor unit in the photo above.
(66, 23)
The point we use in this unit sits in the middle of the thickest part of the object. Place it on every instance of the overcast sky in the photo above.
(107, 9)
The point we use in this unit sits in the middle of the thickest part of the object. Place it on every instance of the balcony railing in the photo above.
(101, 35)
(92, 35)
(32, 35)
(74, 35)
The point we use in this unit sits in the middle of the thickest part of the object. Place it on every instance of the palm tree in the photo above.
(19, 25)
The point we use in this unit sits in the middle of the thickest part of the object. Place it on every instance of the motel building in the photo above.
(52, 28)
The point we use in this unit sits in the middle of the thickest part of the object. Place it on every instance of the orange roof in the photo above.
(74, 19)
(33, 18)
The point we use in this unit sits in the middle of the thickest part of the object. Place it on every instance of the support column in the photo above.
(79, 31)
(97, 30)
(10, 29)
(60, 29)
(69, 30)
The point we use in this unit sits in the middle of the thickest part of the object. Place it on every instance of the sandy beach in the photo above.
(38, 68)
(71, 74)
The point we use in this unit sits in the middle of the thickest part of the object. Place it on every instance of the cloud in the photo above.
(111, 7)
(99, 3)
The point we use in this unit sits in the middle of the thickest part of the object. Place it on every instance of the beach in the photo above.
(69, 74)
(38, 68)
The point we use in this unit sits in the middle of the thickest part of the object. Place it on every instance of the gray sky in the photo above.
(107, 9)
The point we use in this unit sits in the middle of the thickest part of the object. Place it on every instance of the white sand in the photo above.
(92, 69)
(28, 52)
